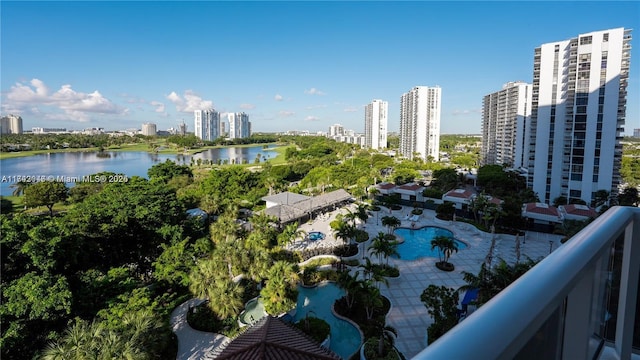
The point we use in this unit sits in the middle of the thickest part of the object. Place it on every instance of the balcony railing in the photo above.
(578, 303)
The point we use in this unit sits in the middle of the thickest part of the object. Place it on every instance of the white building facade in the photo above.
(11, 124)
(578, 113)
(336, 130)
(149, 129)
(420, 123)
(239, 125)
(207, 124)
(375, 124)
(505, 115)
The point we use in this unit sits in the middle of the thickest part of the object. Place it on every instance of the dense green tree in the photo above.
(629, 196)
(441, 303)
(445, 179)
(167, 170)
(45, 193)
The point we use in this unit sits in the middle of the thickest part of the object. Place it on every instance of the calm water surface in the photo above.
(130, 163)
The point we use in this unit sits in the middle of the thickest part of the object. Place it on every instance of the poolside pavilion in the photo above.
(304, 208)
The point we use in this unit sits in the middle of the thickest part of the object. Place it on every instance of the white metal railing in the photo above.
(557, 309)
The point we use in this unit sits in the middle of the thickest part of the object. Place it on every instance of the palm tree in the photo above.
(19, 187)
(361, 212)
(351, 286)
(388, 335)
(290, 233)
(342, 229)
(280, 292)
(391, 222)
(378, 246)
(446, 247)
(490, 281)
(371, 299)
(225, 299)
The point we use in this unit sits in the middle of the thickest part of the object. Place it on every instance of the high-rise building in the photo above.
(505, 115)
(420, 123)
(207, 123)
(636, 133)
(375, 124)
(149, 129)
(11, 124)
(577, 115)
(182, 129)
(239, 125)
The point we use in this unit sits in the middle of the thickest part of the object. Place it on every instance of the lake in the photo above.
(130, 163)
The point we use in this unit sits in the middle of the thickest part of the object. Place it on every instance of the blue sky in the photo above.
(289, 65)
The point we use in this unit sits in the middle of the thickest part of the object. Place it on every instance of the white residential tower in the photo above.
(420, 123)
(375, 124)
(578, 114)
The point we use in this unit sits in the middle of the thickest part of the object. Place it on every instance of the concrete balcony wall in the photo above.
(562, 307)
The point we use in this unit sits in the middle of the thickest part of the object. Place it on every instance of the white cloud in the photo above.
(314, 91)
(286, 113)
(75, 105)
(311, 118)
(247, 106)
(278, 97)
(189, 102)
(350, 109)
(158, 105)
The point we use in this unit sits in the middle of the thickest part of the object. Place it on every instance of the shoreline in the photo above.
(134, 148)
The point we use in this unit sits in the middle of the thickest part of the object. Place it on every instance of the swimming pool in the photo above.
(316, 235)
(316, 301)
(417, 243)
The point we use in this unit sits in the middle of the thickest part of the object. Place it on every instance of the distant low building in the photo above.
(40, 130)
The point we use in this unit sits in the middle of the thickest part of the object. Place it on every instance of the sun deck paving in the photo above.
(408, 314)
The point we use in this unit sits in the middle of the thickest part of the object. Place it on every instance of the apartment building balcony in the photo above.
(580, 302)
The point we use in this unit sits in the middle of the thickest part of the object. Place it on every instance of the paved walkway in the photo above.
(408, 314)
(193, 344)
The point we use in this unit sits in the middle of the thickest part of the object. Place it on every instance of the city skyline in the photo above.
(288, 65)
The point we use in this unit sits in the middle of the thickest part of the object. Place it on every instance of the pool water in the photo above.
(316, 235)
(417, 243)
(253, 311)
(316, 301)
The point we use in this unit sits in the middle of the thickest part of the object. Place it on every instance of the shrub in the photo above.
(432, 193)
(318, 329)
(346, 250)
(416, 211)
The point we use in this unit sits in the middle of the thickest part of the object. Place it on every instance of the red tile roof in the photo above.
(544, 209)
(580, 210)
(272, 339)
(459, 193)
(387, 186)
(412, 187)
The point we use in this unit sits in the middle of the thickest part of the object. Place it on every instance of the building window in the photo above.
(585, 40)
(605, 37)
(575, 193)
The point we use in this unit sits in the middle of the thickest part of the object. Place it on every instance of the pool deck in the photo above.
(408, 314)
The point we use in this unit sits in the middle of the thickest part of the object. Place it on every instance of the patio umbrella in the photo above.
(517, 248)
